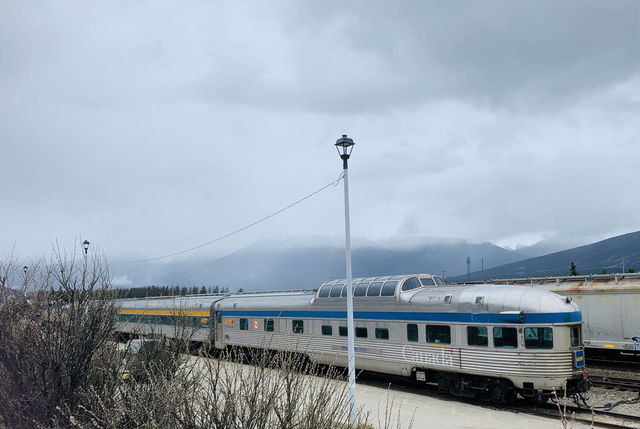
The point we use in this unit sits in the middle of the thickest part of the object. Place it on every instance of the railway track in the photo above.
(598, 418)
(628, 384)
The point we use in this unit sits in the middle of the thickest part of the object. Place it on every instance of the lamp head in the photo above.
(344, 145)
(85, 246)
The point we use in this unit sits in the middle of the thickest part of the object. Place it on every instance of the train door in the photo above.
(215, 315)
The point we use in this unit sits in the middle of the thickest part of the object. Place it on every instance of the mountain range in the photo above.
(606, 255)
(277, 265)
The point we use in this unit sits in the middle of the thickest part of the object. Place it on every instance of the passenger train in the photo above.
(486, 341)
(610, 305)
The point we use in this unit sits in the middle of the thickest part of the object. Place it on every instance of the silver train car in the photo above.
(610, 305)
(488, 341)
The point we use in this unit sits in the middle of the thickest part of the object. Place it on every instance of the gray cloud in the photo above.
(152, 127)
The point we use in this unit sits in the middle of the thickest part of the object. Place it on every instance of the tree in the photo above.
(631, 270)
(573, 271)
(603, 271)
(203, 290)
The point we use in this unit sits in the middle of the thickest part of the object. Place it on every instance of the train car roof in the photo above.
(300, 299)
(492, 298)
(580, 284)
(173, 302)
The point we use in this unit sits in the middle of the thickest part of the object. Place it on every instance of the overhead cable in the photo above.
(222, 237)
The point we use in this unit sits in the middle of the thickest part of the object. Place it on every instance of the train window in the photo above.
(344, 290)
(335, 291)
(427, 282)
(438, 281)
(389, 288)
(412, 332)
(342, 330)
(575, 336)
(410, 283)
(361, 289)
(477, 336)
(268, 325)
(438, 334)
(297, 326)
(505, 337)
(374, 289)
(361, 333)
(327, 330)
(244, 324)
(324, 291)
(382, 333)
(538, 338)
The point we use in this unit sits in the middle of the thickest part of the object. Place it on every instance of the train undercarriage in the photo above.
(491, 389)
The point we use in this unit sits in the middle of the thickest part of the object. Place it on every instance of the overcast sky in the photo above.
(149, 127)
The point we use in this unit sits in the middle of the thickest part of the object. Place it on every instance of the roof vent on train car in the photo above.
(568, 299)
(479, 299)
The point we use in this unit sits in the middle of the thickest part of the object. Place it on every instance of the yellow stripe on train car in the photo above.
(165, 312)
(610, 346)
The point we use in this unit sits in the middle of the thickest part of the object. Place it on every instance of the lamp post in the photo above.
(85, 246)
(344, 145)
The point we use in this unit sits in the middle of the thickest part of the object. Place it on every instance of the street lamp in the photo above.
(344, 145)
(25, 269)
(85, 246)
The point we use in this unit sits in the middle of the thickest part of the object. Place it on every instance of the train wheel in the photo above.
(509, 395)
(453, 387)
(488, 391)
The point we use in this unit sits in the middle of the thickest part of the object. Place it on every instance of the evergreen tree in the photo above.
(573, 271)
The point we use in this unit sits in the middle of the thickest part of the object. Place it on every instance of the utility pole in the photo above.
(469, 268)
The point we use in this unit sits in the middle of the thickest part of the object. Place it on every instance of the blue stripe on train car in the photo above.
(568, 317)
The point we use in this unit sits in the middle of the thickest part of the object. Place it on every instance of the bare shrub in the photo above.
(55, 324)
